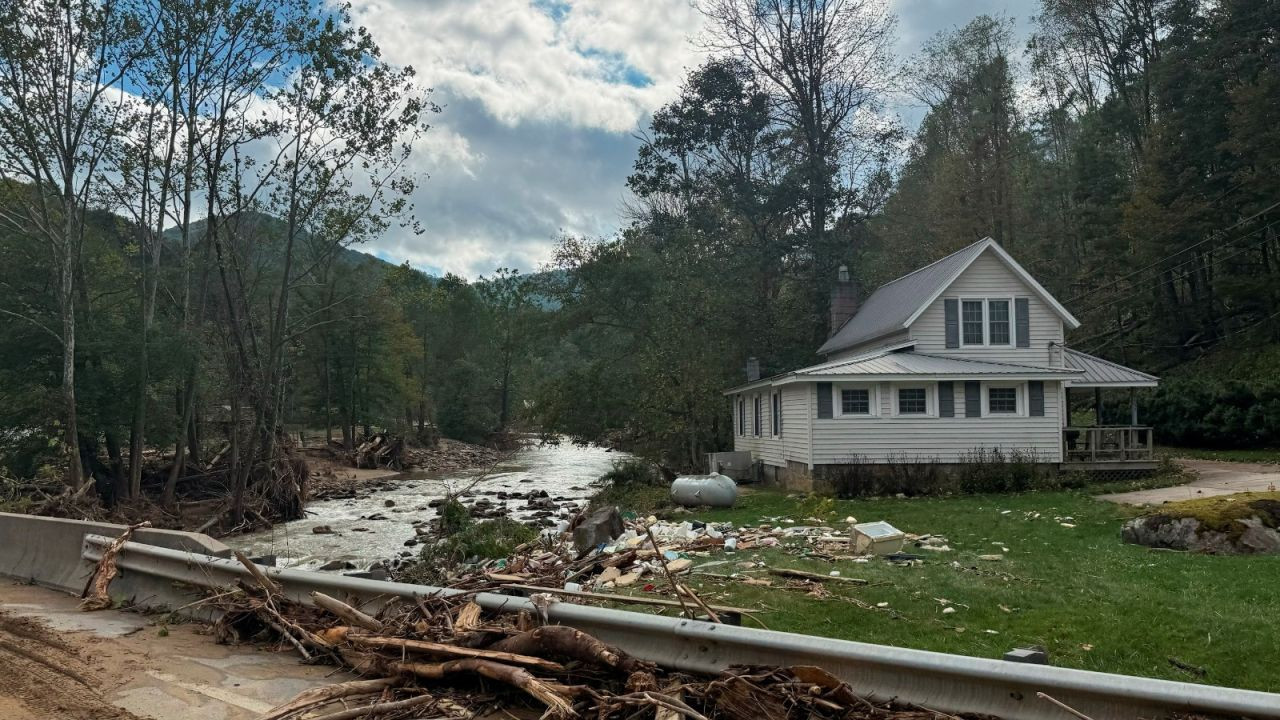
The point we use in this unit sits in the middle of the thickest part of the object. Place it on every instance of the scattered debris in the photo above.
(877, 538)
(421, 659)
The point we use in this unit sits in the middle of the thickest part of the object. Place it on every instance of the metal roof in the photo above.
(1104, 373)
(888, 308)
(897, 304)
(892, 364)
(912, 363)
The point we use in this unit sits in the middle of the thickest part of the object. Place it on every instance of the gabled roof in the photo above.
(1104, 373)
(898, 364)
(897, 304)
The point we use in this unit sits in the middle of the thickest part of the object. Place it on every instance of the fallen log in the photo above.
(346, 612)
(377, 709)
(316, 697)
(552, 695)
(434, 648)
(573, 644)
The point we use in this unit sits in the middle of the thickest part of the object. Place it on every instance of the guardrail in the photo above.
(949, 683)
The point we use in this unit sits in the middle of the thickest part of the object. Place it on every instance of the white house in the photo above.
(964, 354)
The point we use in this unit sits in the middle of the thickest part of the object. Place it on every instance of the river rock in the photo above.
(598, 529)
(338, 565)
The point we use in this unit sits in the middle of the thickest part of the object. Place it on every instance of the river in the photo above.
(374, 527)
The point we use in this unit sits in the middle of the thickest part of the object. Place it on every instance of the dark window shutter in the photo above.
(947, 399)
(1035, 393)
(951, 316)
(972, 398)
(775, 413)
(824, 401)
(1022, 308)
(742, 416)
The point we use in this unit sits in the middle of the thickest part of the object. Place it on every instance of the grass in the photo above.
(1252, 455)
(1092, 601)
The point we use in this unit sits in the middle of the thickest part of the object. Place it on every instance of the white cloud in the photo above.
(529, 63)
(541, 102)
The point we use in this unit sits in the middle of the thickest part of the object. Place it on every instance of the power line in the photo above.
(1179, 252)
(1215, 262)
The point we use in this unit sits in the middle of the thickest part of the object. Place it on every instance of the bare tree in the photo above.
(61, 62)
(828, 65)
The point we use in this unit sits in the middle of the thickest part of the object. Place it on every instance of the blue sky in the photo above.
(542, 100)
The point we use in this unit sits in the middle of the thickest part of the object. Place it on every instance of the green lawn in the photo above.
(1252, 455)
(1093, 601)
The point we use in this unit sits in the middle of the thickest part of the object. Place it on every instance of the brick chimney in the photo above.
(844, 300)
(753, 369)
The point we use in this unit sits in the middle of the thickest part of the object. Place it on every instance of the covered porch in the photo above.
(1111, 442)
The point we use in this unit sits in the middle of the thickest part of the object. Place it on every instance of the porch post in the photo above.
(1097, 406)
(1066, 402)
(1133, 406)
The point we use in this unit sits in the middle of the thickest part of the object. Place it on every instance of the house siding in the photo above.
(887, 438)
(988, 277)
(793, 443)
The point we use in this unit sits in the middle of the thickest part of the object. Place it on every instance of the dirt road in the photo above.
(57, 663)
(1212, 477)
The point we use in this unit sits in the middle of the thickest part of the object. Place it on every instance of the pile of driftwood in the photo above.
(445, 657)
(382, 450)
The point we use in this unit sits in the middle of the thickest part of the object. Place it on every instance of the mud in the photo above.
(51, 677)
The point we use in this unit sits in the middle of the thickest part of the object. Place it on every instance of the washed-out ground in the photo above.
(1063, 580)
(58, 663)
(1210, 477)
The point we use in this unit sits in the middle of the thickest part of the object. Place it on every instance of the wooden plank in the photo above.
(631, 599)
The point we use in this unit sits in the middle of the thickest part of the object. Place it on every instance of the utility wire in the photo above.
(1193, 246)
(1214, 262)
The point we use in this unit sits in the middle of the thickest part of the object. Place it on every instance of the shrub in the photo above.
(631, 472)
(1199, 412)
(633, 484)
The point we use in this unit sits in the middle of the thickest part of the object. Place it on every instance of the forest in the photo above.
(185, 186)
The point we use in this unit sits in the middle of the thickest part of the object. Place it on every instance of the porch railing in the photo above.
(1125, 443)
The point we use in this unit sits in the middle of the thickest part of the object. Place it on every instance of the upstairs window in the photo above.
(971, 322)
(998, 322)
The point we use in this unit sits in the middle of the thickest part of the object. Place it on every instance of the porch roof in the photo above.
(1100, 373)
(899, 364)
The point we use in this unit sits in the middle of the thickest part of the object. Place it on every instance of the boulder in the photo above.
(598, 529)
(1240, 524)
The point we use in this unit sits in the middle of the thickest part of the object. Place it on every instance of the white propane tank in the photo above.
(715, 490)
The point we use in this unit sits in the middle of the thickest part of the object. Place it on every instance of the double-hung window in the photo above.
(742, 416)
(912, 401)
(855, 401)
(1002, 401)
(998, 322)
(971, 322)
(757, 413)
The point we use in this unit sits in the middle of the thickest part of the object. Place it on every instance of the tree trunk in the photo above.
(71, 434)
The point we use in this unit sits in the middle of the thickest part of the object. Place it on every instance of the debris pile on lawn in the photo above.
(600, 557)
(443, 656)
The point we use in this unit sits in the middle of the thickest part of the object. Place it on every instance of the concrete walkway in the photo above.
(1213, 477)
(63, 664)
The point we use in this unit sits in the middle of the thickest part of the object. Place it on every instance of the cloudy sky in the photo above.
(542, 99)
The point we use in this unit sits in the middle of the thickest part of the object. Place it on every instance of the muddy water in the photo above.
(375, 527)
